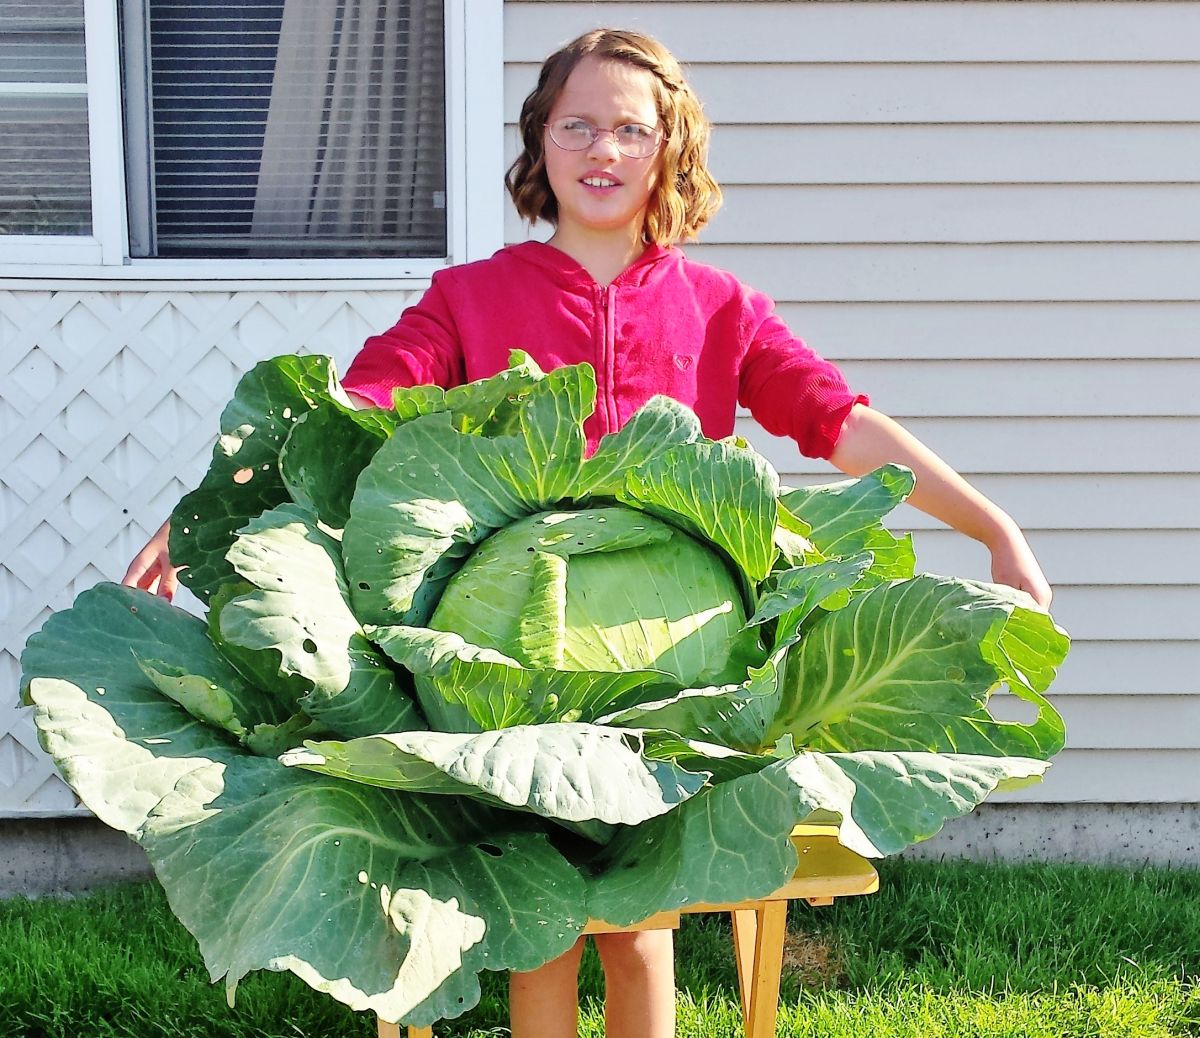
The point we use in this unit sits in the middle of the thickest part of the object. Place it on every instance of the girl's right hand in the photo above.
(151, 567)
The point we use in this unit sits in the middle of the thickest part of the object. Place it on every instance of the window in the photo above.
(284, 128)
(44, 161)
(249, 139)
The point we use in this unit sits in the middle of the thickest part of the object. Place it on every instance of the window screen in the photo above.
(45, 180)
(285, 128)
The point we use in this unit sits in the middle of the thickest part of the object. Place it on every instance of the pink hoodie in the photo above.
(665, 325)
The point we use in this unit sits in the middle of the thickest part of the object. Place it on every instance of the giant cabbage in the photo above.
(461, 686)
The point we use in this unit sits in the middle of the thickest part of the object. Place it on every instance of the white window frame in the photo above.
(474, 168)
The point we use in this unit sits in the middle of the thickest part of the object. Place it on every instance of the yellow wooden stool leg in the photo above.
(768, 968)
(387, 1030)
(758, 935)
(745, 939)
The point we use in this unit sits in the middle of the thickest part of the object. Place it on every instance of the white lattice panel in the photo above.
(109, 402)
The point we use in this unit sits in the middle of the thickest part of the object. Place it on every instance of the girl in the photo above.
(614, 152)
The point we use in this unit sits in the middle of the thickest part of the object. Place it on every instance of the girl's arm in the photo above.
(870, 438)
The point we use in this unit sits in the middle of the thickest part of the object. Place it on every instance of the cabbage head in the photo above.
(461, 687)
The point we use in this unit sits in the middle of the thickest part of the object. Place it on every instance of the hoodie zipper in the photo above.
(608, 352)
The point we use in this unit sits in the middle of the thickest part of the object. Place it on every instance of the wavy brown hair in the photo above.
(686, 195)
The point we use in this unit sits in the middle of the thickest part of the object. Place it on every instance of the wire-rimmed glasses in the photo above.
(634, 140)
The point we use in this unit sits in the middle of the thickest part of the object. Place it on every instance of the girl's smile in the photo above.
(599, 181)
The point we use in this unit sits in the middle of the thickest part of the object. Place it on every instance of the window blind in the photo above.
(286, 128)
(45, 184)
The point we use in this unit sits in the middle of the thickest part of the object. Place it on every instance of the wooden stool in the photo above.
(827, 870)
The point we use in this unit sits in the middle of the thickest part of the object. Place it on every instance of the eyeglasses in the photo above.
(634, 140)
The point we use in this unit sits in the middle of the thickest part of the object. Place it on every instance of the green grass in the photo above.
(944, 949)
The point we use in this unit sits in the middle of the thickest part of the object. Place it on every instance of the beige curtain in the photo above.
(340, 155)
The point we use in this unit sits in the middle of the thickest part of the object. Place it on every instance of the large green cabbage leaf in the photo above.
(463, 687)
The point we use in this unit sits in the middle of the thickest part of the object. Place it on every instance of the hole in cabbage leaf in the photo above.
(364, 586)
(243, 476)
(1005, 706)
(492, 849)
(308, 645)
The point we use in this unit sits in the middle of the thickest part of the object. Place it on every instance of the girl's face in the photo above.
(607, 94)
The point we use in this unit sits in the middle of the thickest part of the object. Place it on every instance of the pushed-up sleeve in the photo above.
(787, 387)
(421, 348)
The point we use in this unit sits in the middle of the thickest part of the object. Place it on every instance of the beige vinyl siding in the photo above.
(1044, 445)
(942, 272)
(1098, 330)
(795, 32)
(1119, 667)
(1127, 776)
(988, 154)
(988, 213)
(864, 214)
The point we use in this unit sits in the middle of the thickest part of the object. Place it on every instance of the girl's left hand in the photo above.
(1013, 564)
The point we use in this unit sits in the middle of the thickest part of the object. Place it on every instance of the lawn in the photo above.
(945, 949)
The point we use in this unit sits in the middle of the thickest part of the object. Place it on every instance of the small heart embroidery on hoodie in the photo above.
(683, 361)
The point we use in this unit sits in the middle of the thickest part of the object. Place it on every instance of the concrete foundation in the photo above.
(62, 856)
(1100, 834)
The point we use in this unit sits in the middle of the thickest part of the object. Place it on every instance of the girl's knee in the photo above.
(643, 951)
(566, 965)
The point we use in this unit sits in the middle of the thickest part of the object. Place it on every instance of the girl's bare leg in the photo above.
(544, 1003)
(639, 984)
